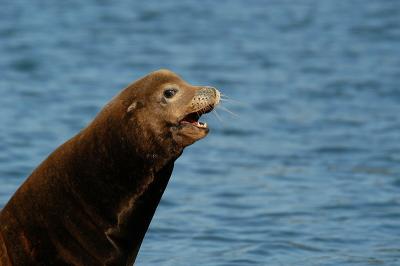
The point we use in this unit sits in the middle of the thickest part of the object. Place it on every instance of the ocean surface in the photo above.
(307, 169)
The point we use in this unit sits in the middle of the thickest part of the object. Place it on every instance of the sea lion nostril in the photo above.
(215, 93)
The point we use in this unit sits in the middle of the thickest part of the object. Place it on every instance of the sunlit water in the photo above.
(307, 173)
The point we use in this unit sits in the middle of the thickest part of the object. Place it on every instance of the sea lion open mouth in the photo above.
(204, 101)
(193, 118)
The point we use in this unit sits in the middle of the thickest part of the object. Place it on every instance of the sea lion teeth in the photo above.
(201, 124)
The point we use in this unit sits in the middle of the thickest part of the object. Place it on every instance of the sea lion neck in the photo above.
(110, 156)
(119, 189)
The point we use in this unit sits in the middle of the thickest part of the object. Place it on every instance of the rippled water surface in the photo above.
(307, 173)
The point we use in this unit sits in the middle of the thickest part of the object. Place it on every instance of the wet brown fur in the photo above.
(91, 201)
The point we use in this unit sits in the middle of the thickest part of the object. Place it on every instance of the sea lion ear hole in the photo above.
(134, 105)
(169, 93)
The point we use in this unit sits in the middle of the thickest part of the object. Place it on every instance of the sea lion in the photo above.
(91, 201)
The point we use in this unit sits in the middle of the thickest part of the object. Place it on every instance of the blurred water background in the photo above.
(307, 173)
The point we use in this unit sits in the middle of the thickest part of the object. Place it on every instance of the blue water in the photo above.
(307, 173)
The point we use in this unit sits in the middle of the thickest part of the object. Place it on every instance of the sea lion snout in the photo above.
(216, 94)
(205, 98)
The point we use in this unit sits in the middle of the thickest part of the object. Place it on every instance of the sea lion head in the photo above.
(161, 112)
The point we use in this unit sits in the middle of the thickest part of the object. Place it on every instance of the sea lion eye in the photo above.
(169, 93)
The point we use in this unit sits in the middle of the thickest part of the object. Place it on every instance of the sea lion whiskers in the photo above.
(229, 111)
(214, 111)
(217, 116)
(226, 98)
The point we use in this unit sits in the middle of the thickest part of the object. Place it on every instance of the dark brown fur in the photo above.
(91, 201)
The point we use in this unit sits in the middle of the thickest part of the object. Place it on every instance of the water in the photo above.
(309, 171)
